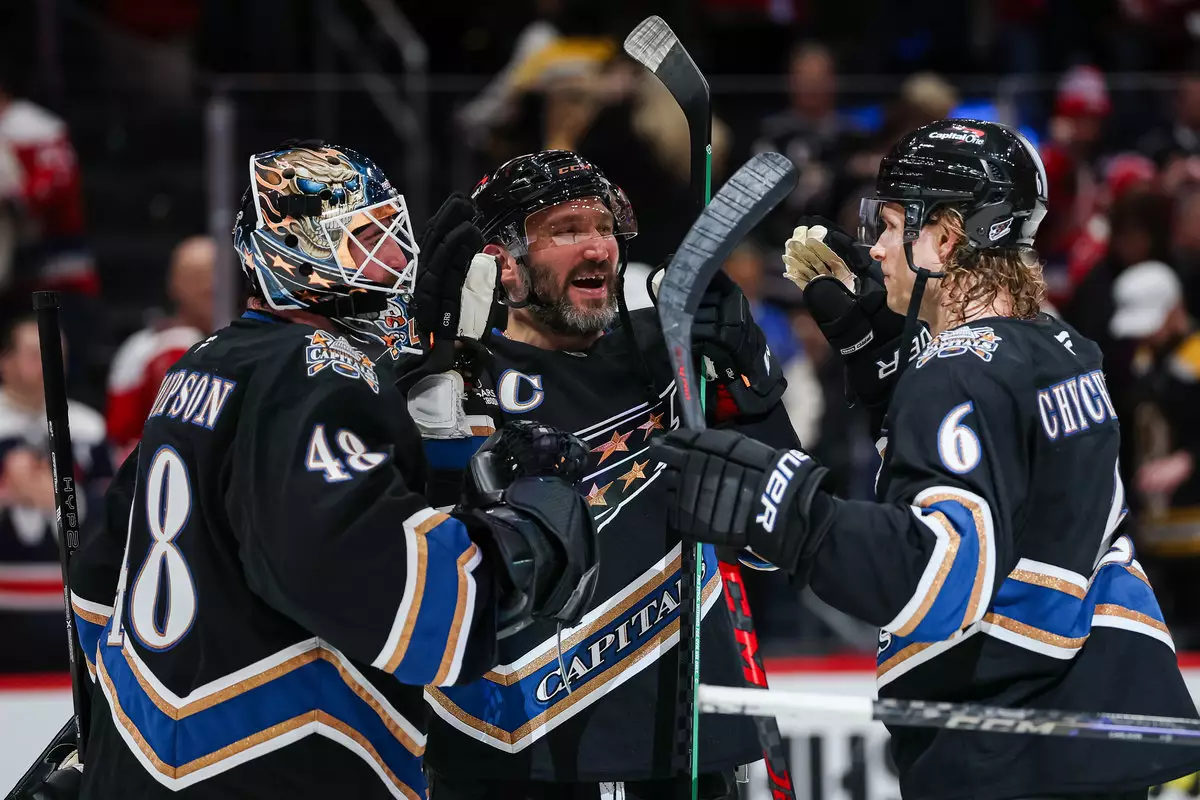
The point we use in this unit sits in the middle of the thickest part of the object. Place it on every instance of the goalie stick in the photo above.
(956, 716)
(754, 190)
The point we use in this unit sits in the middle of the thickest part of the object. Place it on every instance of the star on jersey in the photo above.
(596, 496)
(614, 445)
(651, 425)
(634, 474)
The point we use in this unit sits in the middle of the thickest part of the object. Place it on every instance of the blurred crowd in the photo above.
(1121, 245)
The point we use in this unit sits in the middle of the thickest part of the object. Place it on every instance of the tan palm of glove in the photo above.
(807, 257)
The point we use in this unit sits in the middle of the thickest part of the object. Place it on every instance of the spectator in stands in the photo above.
(51, 252)
(31, 594)
(10, 206)
(1176, 145)
(747, 266)
(1081, 108)
(1150, 314)
(640, 137)
(810, 132)
(142, 361)
(1186, 246)
(1124, 173)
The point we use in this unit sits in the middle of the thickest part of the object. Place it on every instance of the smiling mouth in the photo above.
(589, 281)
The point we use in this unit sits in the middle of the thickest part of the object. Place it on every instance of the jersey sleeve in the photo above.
(926, 560)
(333, 533)
(96, 565)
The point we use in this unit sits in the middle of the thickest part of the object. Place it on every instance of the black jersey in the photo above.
(995, 566)
(281, 589)
(616, 720)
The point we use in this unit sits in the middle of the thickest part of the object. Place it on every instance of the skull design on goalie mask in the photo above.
(326, 173)
(321, 222)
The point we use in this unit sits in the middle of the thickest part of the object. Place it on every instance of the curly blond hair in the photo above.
(978, 278)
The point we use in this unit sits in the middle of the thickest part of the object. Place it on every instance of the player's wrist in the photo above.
(783, 527)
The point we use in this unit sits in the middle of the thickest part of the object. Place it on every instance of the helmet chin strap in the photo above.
(911, 319)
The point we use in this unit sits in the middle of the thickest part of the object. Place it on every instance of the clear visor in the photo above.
(872, 225)
(577, 221)
(373, 247)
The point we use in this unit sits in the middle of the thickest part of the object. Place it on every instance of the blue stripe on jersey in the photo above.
(950, 605)
(1068, 619)
(506, 707)
(436, 613)
(452, 453)
(88, 633)
(750, 559)
(1049, 615)
(309, 689)
(440, 620)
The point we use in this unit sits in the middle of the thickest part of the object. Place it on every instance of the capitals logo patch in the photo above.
(326, 351)
(983, 342)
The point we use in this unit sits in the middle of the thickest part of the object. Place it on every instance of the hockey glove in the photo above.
(455, 284)
(732, 491)
(749, 379)
(542, 537)
(849, 304)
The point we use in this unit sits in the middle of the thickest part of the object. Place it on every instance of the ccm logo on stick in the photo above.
(777, 484)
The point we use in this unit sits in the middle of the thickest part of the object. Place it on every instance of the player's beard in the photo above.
(550, 303)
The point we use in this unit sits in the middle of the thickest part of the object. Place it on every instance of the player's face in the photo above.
(387, 254)
(898, 279)
(572, 265)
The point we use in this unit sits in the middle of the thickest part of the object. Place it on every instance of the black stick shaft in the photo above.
(62, 469)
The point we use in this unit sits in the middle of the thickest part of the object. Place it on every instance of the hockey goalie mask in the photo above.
(320, 222)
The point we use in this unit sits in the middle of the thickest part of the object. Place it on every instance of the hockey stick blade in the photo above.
(756, 188)
(656, 47)
(953, 716)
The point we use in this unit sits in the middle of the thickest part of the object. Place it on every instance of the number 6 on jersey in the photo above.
(958, 445)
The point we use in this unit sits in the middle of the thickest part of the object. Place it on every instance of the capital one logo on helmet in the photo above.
(777, 484)
(960, 134)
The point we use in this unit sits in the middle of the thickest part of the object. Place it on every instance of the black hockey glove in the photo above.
(445, 268)
(821, 259)
(543, 539)
(725, 332)
(732, 491)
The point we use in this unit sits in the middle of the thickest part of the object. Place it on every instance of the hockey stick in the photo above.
(656, 47)
(741, 204)
(955, 716)
(62, 469)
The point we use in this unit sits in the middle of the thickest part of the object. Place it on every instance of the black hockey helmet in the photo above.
(989, 172)
(529, 183)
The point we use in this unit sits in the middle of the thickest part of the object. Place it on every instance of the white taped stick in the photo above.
(774, 703)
